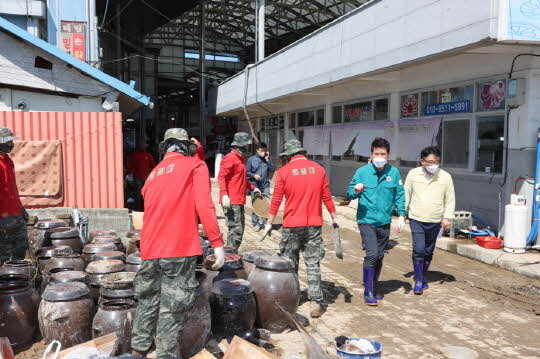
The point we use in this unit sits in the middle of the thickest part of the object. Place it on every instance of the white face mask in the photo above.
(432, 169)
(379, 162)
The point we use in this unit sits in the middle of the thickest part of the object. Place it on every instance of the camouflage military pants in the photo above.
(165, 289)
(13, 238)
(236, 222)
(307, 240)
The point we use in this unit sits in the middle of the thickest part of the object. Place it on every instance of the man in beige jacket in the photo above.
(430, 203)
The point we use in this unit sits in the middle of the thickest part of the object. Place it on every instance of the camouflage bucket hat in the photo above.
(292, 147)
(6, 135)
(241, 139)
(176, 133)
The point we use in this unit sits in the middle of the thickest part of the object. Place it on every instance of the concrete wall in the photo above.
(98, 218)
(9, 99)
(377, 36)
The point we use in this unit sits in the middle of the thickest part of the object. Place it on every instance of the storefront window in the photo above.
(491, 96)
(456, 144)
(358, 112)
(489, 157)
(320, 116)
(409, 105)
(449, 100)
(263, 123)
(292, 120)
(336, 114)
(306, 119)
(381, 109)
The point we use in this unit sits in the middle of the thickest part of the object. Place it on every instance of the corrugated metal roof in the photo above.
(78, 64)
(91, 152)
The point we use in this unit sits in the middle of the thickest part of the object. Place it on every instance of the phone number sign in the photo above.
(448, 107)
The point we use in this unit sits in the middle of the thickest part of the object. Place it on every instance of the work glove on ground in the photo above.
(359, 188)
(400, 224)
(226, 201)
(219, 254)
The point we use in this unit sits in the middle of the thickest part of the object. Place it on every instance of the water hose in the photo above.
(531, 239)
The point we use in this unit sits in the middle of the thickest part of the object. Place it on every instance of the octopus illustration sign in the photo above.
(523, 20)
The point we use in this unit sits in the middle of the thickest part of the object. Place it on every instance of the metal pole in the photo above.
(259, 36)
(118, 43)
(202, 79)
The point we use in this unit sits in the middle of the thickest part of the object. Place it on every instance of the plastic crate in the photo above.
(489, 242)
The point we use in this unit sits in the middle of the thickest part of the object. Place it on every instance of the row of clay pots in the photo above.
(238, 304)
(19, 303)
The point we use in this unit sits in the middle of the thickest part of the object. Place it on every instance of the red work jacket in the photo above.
(140, 163)
(176, 194)
(10, 204)
(200, 151)
(305, 186)
(232, 178)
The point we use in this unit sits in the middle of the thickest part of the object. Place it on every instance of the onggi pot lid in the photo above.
(232, 287)
(98, 247)
(134, 258)
(252, 256)
(105, 266)
(70, 276)
(59, 292)
(275, 263)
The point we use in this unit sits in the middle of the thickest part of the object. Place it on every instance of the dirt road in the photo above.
(470, 304)
(490, 310)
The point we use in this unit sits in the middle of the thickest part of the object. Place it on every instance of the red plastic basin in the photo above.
(489, 242)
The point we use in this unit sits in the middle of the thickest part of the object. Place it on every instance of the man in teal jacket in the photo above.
(379, 190)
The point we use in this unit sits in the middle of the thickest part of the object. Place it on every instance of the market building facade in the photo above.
(448, 73)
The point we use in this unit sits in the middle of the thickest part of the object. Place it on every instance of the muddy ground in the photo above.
(470, 304)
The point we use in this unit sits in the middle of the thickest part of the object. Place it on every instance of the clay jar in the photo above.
(65, 260)
(134, 244)
(46, 253)
(133, 262)
(18, 313)
(274, 281)
(133, 233)
(8, 278)
(233, 307)
(110, 239)
(24, 267)
(117, 286)
(110, 255)
(36, 237)
(250, 257)
(196, 330)
(70, 276)
(232, 268)
(97, 269)
(115, 316)
(65, 236)
(101, 232)
(65, 314)
(90, 251)
(50, 272)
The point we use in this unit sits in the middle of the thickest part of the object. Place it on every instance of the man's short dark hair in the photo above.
(431, 150)
(262, 145)
(380, 143)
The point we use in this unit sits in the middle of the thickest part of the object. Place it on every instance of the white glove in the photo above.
(219, 254)
(257, 192)
(225, 201)
(359, 188)
(400, 224)
(267, 230)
